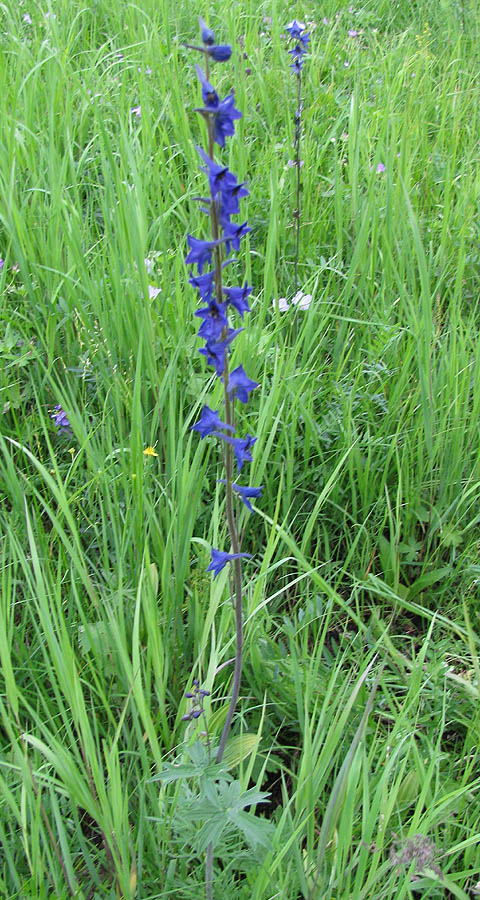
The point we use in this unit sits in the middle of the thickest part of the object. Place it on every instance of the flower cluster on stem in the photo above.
(60, 420)
(209, 256)
(300, 38)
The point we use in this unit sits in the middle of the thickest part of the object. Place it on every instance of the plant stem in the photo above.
(298, 131)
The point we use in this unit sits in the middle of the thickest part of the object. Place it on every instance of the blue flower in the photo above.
(296, 52)
(220, 560)
(232, 233)
(295, 29)
(230, 196)
(200, 251)
(215, 350)
(209, 94)
(224, 111)
(219, 177)
(220, 53)
(209, 422)
(204, 284)
(225, 116)
(241, 447)
(215, 320)
(245, 492)
(297, 65)
(60, 420)
(237, 296)
(239, 383)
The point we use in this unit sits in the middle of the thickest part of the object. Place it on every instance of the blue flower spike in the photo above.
(219, 301)
(221, 306)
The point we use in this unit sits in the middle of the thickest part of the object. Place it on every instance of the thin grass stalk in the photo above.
(38, 796)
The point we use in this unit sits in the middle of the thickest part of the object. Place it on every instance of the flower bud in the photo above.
(220, 52)
(208, 36)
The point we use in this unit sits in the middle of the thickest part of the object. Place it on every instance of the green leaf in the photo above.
(409, 788)
(154, 578)
(173, 772)
(255, 830)
(251, 797)
(238, 748)
(426, 581)
(211, 832)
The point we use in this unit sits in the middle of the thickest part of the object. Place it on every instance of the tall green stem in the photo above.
(298, 131)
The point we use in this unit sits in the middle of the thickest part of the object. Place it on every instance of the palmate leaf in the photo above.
(251, 797)
(211, 832)
(176, 771)
(256, 831)
(221, 808)
(199, 767)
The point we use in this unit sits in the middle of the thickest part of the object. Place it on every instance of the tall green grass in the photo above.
(362, 672)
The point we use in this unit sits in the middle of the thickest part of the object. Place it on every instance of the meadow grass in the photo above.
(360, 694)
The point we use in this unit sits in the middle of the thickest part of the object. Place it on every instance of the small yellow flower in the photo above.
(149, 451)
(72, 451)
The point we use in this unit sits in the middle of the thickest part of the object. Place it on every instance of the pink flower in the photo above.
(381, 168)
(353, 33)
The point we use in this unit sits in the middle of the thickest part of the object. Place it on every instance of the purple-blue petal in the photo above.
(220, 560)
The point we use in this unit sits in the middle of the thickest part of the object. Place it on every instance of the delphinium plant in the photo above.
(218, 302)
(223, 804)
(300, 39)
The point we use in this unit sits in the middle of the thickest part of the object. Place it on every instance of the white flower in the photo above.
(302, 301)
(153, 292)
(281, 304)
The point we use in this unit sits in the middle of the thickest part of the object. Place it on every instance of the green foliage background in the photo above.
(366, 540)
